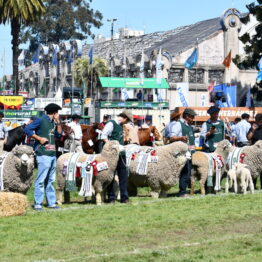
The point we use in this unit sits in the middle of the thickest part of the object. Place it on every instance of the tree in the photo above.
(63, 20)
(86, 75)
(253, 44)
(18, 13)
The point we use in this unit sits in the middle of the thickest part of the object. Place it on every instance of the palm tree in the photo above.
(19, 12)
(88, 75)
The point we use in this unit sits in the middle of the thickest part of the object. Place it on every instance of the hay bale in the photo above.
(12, 204)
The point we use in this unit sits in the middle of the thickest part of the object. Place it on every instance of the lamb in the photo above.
(160, 175)
(231, 180)
(110, 154)
(251, 156)
(242, 176)
(201, 165)
(18, 167)
(12, 204)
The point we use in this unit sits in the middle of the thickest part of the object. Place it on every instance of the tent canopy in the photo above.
(119, 82)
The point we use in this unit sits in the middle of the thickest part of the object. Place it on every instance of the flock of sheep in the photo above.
(161, 174)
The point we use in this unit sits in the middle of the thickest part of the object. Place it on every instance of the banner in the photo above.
(11, 102)
(230, 93)
(29, 104)
(41, 103)
(21, 114)
(182, 94)
(159, 73)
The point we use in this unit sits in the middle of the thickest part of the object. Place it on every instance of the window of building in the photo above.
(216, 76)
(196, 76)
(176, 75)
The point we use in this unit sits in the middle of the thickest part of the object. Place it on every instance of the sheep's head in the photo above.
(224, 145)
(23, 157)
(179, 151)
(112, 148)
(259, 144)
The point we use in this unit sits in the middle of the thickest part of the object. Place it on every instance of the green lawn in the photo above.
(211, 228)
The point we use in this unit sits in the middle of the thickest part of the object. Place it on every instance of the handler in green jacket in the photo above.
(213, 130)
(113, 130)
(183, 131)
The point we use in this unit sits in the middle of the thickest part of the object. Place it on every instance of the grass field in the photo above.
(211, 228)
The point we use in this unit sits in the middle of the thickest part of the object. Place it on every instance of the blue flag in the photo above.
(54, 58)
(35, 58)
(259, 75)
(248, 98)
(90, 54)
(192, 59)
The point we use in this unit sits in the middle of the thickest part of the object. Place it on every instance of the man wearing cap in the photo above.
(174, 117)
(44, 130)
(76, 145)
(213, 130)
(183, 131)
(241, 130)
(113, 130)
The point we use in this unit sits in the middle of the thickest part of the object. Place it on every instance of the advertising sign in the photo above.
(21, 114)
(41, 103)
(11, 102)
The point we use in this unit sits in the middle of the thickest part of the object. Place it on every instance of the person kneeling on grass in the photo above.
(44, 130)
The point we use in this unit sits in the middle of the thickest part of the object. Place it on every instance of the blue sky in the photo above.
(148, 15)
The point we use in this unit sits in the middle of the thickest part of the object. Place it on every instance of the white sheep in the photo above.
(231, 180)
(109, 154)
(244, 178)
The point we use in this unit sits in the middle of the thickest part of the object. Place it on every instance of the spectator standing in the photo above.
(76, 145)
(241, 130)
(255, 133)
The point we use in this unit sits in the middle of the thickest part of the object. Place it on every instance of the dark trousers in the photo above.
(121, 170)
(185, 177)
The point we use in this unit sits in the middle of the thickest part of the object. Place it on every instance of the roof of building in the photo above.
(174, 41)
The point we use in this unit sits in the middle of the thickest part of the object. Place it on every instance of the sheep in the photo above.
(160, 176)
(249, 155)
(231, 180)
(244, 178)
(18, 169)
(12, 204)
(201, 167)
(110, 154)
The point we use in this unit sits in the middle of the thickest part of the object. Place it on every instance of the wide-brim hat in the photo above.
(52, 107)
(128, 115)
(213, 109)
(190, 112)
(174, 115)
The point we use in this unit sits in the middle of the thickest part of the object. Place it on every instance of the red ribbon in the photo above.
(133, 156)
(215, 163)
(78, 171)
(153, 153)
(94, 165)
(152, 138)
(242, 156)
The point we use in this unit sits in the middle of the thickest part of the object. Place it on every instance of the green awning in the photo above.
(118, 82)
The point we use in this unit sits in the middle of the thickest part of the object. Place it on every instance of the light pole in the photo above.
(113, 20)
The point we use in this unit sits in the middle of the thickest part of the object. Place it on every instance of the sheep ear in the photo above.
(14, 149)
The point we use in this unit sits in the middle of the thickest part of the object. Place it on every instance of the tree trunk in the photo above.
(15, 30)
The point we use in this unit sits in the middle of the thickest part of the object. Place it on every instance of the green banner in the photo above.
(134, 104)
(21, 114)
(118, 82)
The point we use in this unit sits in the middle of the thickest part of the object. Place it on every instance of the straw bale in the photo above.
(12, 204)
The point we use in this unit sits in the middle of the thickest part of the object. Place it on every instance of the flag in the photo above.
(159, 67)
(90, 54)
(141, 69)
(21, 58)
(227, 60)
(248, 98)
(35, 58)
(70, 57)
(192, 59)
(259, 75)
(54, 57)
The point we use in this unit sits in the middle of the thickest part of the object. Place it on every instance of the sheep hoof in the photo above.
(155, 195)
